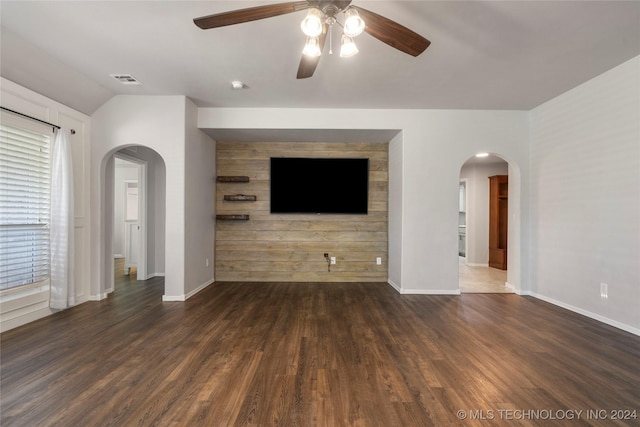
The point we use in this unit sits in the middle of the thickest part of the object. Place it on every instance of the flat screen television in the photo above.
(319, 185)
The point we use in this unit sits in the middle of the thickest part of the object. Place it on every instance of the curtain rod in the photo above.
(73, 131)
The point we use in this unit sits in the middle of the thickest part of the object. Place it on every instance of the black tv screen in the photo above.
(319, 186)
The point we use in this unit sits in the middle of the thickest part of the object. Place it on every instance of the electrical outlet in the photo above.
(604, 290)
(206, 262)
(329, 261)
(379, 260)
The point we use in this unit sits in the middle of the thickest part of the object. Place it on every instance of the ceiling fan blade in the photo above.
(392, 33)
(249, 14)
(308, 64)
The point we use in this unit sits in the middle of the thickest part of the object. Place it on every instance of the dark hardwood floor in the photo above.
(306, 354)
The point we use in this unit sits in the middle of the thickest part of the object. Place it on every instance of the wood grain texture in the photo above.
(239, 198)
(249, 14)
(232, 217)
(392, 33)
(291, 247)
(498, 220)
(232, 179)
(311, 354)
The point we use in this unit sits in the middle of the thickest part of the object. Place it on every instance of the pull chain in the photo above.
(330, 40)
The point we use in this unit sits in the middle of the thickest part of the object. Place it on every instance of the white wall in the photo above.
(166, 125)
(440, 143)
(156, 122)
(477, 215)
(433, 147)
(585, 197)
(200, 159)
(395, 212)
(19, 308)
(156, 212)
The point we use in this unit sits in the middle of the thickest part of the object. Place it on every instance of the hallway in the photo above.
(481, 279)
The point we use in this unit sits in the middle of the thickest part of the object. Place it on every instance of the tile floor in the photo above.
(476, 279)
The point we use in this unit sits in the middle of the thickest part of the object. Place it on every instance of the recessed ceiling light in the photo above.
(237, 84)
(482, 155)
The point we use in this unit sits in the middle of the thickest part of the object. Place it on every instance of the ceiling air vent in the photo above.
(126, 79)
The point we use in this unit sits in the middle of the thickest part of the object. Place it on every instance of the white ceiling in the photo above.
(484, 55)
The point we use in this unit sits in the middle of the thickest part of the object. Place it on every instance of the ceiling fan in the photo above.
(320, 17)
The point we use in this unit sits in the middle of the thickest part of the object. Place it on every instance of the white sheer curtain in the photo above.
(62, 223)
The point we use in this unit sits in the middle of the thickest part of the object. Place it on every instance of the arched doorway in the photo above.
(477, 226)
(151, 187)
(130, 216)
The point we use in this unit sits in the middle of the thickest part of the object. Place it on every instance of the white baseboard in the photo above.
(422, 291)
(98, 297)
(430, 291)
(473, 264)
(23, 319)
(394, 286)
(170, 298)
(28, 308)
(152, 275)
(603, 319)
(510, 286)
(198, 289)
(188, 295)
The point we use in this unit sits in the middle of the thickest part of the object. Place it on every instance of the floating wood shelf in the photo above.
(232, 179)
(242, 217)
(240, 198)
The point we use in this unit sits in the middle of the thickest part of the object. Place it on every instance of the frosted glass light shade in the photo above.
(348, 47)
(353, 24)
(312, 24)
(312, 47)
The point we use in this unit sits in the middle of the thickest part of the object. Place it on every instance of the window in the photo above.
(24, 204)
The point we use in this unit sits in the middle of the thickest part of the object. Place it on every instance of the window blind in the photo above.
(24, 206)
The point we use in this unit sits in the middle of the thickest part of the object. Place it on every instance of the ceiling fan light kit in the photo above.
(312, 24)
(353, 24)
(347, 47)
(321, 15)
(312, 47)
(317, 21)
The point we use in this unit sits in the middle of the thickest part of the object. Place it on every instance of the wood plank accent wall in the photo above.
(290, 248)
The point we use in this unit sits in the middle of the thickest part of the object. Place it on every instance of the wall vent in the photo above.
(126, 79)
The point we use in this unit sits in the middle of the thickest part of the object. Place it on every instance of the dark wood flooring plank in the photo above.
(310, 354)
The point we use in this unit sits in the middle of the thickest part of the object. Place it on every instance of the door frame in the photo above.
(466, 209)
(142, 212)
